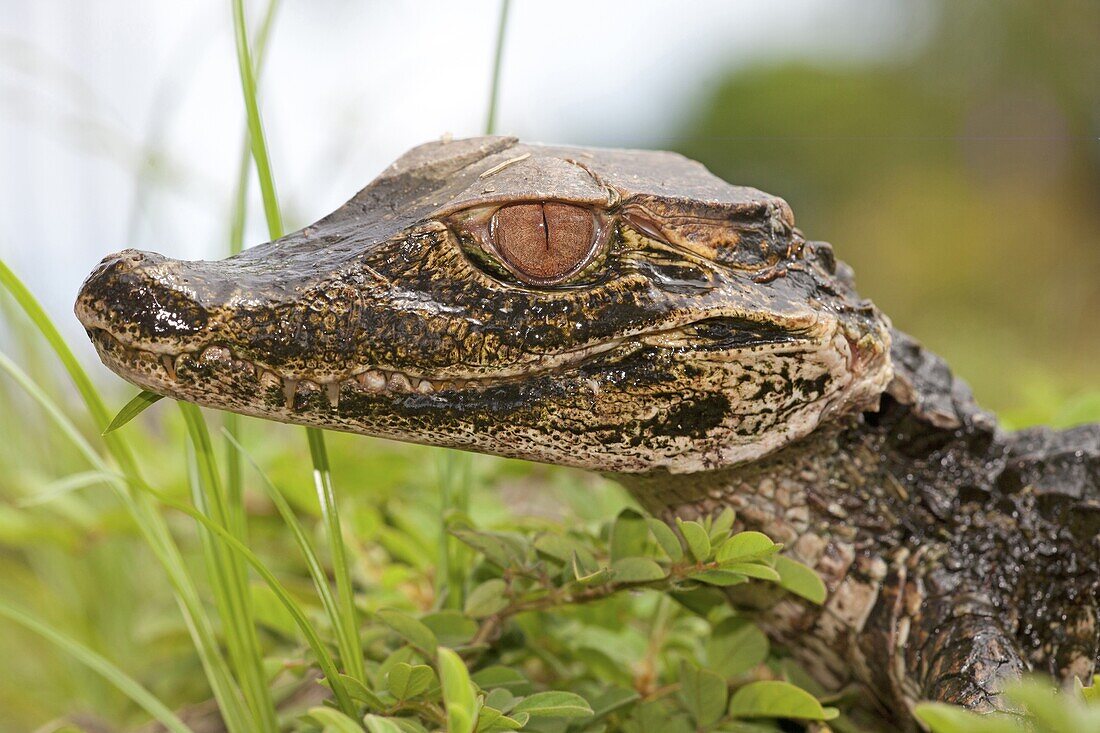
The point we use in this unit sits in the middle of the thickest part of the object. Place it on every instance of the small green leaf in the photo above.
(451, 628)
(358, 691)
(557, 547)
(667, 539)
(458, 692)
(774, 699)
(696, 537)
(487, 599)
(1049, 708)
(752, 569)
(499, 676)
(704, 694)
(502, 549)
(501, 699)
(139, 404)
(335, 721)
(612, 700)
(1090, 694)
(628, 535)
(376, 724)
(745, 546)
(721, 578)
(943, 718)
(735, 646)
(800, 580)
(701, 600)
(719, 527)
(637, 570)
(554, 704)
(585, 574)
(413, 631)
(406, 681)
(490, 720)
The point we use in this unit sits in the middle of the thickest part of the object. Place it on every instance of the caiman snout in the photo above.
(507, 299)
(141, 297)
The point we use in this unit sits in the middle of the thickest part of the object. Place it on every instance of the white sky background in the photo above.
(121, 120)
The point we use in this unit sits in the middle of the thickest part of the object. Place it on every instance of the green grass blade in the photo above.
(324, 659)
(61, 487)
(155, 531)
(454, 555)
(239, 209)
(256, 138)
(139, 404)
(228, 577)
(322, 479)
(348, 646)
(124, 682)
(233, 472)
(498, 56)
(237, 720)
(95, 404)
(322, 475)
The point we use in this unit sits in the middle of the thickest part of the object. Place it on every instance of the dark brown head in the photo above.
(613, 310)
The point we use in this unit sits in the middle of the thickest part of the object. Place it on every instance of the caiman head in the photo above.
(621, 311)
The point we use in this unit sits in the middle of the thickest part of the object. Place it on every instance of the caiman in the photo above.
(629, 313)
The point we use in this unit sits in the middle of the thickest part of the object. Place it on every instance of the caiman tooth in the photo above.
(399, 381)
(269, 380)
(169, 363)
(215, 353)
(425, 387)
(332, 391)
(373, 381)
(290, 388)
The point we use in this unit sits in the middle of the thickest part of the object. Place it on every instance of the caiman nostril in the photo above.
(139, 295)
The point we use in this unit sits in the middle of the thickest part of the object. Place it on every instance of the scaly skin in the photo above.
(629, 313)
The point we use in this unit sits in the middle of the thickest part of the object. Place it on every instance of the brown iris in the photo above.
(543, 242)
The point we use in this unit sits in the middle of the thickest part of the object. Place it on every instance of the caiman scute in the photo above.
(629, 313)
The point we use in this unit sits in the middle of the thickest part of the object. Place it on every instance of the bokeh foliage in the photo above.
(961, 180)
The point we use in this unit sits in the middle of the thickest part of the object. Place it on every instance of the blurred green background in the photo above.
(961, 181)
(958, 172)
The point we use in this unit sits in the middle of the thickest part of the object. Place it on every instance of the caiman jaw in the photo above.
(665, 341)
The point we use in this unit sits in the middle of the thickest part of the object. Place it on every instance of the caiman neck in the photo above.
(868, 478)
(781, 494)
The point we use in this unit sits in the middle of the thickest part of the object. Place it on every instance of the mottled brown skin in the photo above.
(629, 313)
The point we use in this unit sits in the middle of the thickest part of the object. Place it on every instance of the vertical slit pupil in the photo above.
(543, 241)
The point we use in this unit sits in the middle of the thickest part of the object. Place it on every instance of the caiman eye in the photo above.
(544, 242)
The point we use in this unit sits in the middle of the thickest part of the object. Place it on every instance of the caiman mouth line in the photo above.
(378, 380)
(386, 380)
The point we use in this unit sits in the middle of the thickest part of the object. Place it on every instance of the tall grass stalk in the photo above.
(321, 473)
(228, 577)
(454, 556)
(100, 664)
(145, 515)
(143, 489)
(322, 479)
(498, 58)
(347, 644)
(237, 218)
